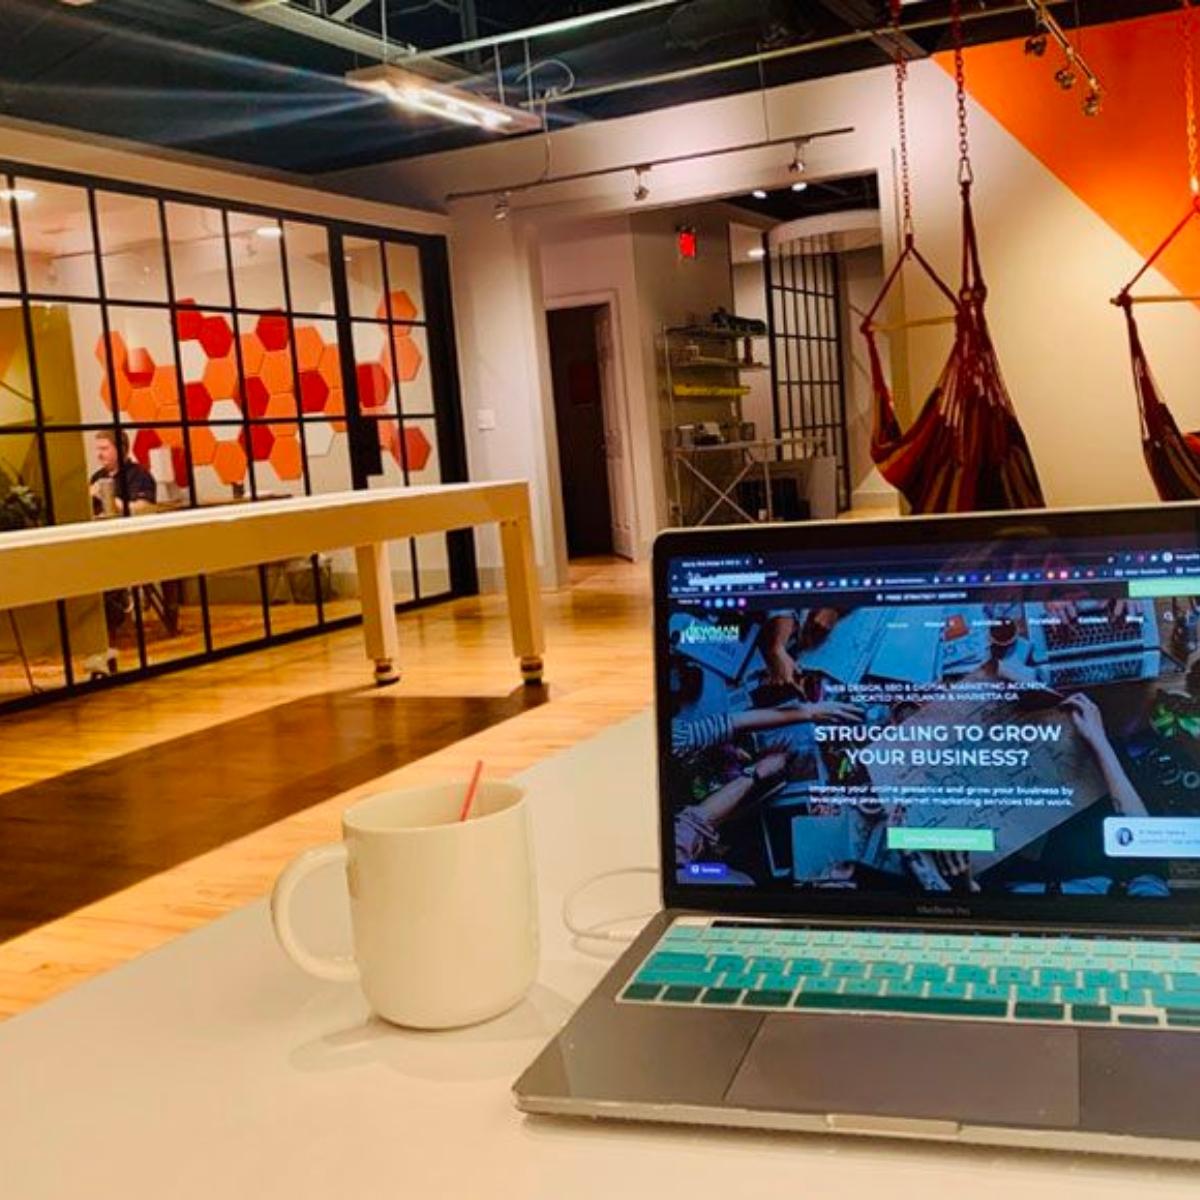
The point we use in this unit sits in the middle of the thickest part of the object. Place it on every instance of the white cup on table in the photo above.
(443, 911)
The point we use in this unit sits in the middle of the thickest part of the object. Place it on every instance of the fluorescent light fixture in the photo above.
(759, 194)
(269, 231)
(20, 195)
(416, 94)
(756, 252)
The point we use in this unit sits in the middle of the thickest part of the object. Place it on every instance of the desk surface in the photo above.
(213, 1067)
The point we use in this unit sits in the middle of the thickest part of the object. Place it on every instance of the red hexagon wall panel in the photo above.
(148, 392)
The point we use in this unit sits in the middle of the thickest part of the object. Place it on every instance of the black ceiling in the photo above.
(198, 76)
(848, 193)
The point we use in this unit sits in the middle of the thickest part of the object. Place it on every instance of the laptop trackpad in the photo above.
(948, 1070)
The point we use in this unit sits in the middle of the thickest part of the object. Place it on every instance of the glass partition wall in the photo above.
(161, 351)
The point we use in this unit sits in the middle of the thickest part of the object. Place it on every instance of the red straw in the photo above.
(472, 788)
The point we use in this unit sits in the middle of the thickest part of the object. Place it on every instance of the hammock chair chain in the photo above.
(966, 176)
(902, 117)
(1189, 98)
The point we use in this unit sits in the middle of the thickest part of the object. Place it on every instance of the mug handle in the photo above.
(337, 968)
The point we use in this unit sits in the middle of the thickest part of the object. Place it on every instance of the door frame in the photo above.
(615, 398)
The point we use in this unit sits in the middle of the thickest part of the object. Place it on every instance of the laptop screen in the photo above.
(992, 713)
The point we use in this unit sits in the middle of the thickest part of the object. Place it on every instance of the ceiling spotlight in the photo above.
(1065, 78)
(502, 209)
(756, 252)
(1092, 104)
(800, 186)
(640, 191)
(1036, 45)
(759, 194)
(20, 195)
(271, 232)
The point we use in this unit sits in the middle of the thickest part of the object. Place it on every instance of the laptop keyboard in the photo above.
(1055, 978)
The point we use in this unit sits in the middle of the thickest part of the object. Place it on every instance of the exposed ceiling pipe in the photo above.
(341, 33)
(764, 56)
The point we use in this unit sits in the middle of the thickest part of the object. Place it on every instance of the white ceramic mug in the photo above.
(443, 911)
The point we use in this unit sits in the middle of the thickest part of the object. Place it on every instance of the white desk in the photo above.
(214, 1068)
(63, 561)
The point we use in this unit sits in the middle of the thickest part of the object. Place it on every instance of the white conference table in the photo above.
(214, 1068)
(60, 562)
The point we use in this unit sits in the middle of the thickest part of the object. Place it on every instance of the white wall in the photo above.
(1051, 262)
(862, 277)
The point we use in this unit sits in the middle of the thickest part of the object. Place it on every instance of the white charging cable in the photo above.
(602, 932)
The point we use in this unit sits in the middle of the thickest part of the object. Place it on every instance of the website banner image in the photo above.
(1037, 740)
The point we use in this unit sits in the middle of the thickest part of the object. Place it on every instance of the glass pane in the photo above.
(373, 369)
(293, 586)
(256, 244)
(31, 656)
(420, 450)
(9, 279)
(157, 452)
(23, 500)
(131, 247)
(268, 386)
(219, 465)
(404, 282)
(73, 459)
(308, 267)
(197, 247)
(399, 552)
(16, 385)
(319, 362)
(328, 456)
(143, 363)
(56, 238)
(278, 459)
(411, 347)
(68, 345)
(364, 277)
(235, 612)
(172, 619)
(329, 471)
(209, 359)
(94, 653)
(433, 563)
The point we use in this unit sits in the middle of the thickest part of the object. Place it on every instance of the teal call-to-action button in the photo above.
(941, 839)
(1148, 589)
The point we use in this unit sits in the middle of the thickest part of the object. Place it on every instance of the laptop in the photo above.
(914, 884)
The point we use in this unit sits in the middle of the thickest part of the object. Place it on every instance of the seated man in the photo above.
(133, 487)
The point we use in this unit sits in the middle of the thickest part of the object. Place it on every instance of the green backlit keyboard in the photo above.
(1065, 979)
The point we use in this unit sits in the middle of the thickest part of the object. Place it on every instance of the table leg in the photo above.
(524, 599)
(379, 611)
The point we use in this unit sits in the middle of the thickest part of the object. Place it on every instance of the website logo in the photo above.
(700, 634)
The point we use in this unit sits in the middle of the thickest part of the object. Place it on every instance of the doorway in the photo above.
(591, 449)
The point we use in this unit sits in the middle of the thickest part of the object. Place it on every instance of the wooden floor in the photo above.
(598, 672)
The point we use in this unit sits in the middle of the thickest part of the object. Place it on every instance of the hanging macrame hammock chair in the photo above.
(1172, 456)
(966, 450)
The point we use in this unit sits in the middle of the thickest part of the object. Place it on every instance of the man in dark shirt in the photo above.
(130, 490)
(133, 487)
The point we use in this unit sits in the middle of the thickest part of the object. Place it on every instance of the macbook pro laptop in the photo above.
(930, 838)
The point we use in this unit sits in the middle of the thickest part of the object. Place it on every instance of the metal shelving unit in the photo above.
(702, 369)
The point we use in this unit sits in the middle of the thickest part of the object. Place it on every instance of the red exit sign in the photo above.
(688, 243)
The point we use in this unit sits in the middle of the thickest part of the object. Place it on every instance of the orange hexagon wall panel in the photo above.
(416, 448)
(229, 462)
